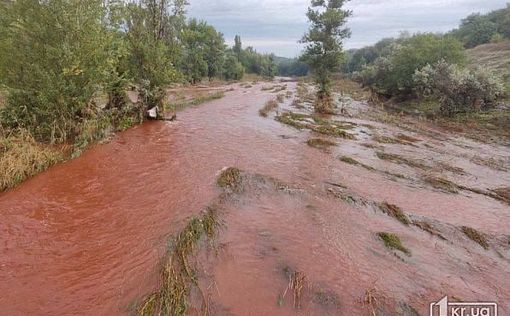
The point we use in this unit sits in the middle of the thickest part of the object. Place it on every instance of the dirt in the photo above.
(303, 236)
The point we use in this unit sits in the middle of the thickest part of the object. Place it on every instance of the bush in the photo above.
(56, 58)
(393, 75)
(458, 89)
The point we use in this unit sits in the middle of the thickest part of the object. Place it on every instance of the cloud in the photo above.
(277, 26)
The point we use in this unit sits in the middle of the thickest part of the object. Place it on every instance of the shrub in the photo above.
(458, 89)
(393, 75)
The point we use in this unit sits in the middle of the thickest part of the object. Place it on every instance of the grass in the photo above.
(428, 228)
(320, 143)
(401, 160)
(230, 179)
(441, 183)
(178, 276)
(476, 236)
(392, 241)
(197, 101)
(317, 124)
(297, 281)
(504, 193)
(280, 98)
(354, 162)
(349, 87)
(395, 212)
(270, 106)
(21, 157)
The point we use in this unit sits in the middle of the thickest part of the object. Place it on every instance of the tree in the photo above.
(238, 47)
(151, 63)
(476, 30)
(324, 40)
(233, 69)
(56, 56)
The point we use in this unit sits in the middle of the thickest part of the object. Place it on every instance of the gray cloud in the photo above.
(277, 26)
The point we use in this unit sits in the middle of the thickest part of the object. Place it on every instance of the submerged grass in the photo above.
(392, 241)
(317, 124)
(476, 236)
(441, 183)
(230, 179)
(197, 101)
(178, 275)
(21, 157)
(354, 162)
(320, 143)
(401, 160)
(395, 212)
(270, 106)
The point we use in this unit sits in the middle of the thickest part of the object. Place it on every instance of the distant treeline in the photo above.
(433, 65)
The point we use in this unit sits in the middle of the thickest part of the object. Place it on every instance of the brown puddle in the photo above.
(86, 237)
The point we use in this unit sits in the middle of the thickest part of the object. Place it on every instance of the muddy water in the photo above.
(85, 238)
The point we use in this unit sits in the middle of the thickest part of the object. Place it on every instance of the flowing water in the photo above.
(87, 236)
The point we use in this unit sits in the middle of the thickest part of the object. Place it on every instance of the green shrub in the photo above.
(458, 89)
(393, 75)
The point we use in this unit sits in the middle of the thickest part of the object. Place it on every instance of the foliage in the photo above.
(323, 52)
(233, 69)
(393, 75)
(254, 62)
(56, 58)
(204, 51)
(291, 67)
(458, 89)
(479, 29)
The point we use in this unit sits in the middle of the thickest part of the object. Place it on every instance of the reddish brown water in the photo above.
(86, 237)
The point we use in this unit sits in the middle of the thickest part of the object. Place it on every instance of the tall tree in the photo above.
(238, 47)
(324, 39)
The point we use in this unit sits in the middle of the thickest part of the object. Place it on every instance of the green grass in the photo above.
(401, 160)
(392, 241)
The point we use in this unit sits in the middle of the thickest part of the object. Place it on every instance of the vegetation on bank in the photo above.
(434, 73)
(66, 67)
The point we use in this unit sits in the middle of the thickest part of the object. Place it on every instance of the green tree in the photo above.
(150, 60)
(238, 47)
(476, 30)
(233, 69)
(56, 57)
(324, 40)
(204, 50)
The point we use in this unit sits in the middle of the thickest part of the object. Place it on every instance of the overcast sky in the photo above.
(277, 25)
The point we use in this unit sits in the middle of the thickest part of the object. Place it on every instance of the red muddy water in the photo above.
(86, 237)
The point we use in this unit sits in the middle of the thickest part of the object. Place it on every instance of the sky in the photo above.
(275, 26)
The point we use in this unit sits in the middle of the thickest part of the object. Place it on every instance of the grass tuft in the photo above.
(178, 275)
(392, 241)
(21, 157)
(441, 184)
(401, 160)
(476, 236)
(230, 179)
(270, 106)
(395, 212)
(320, 143)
